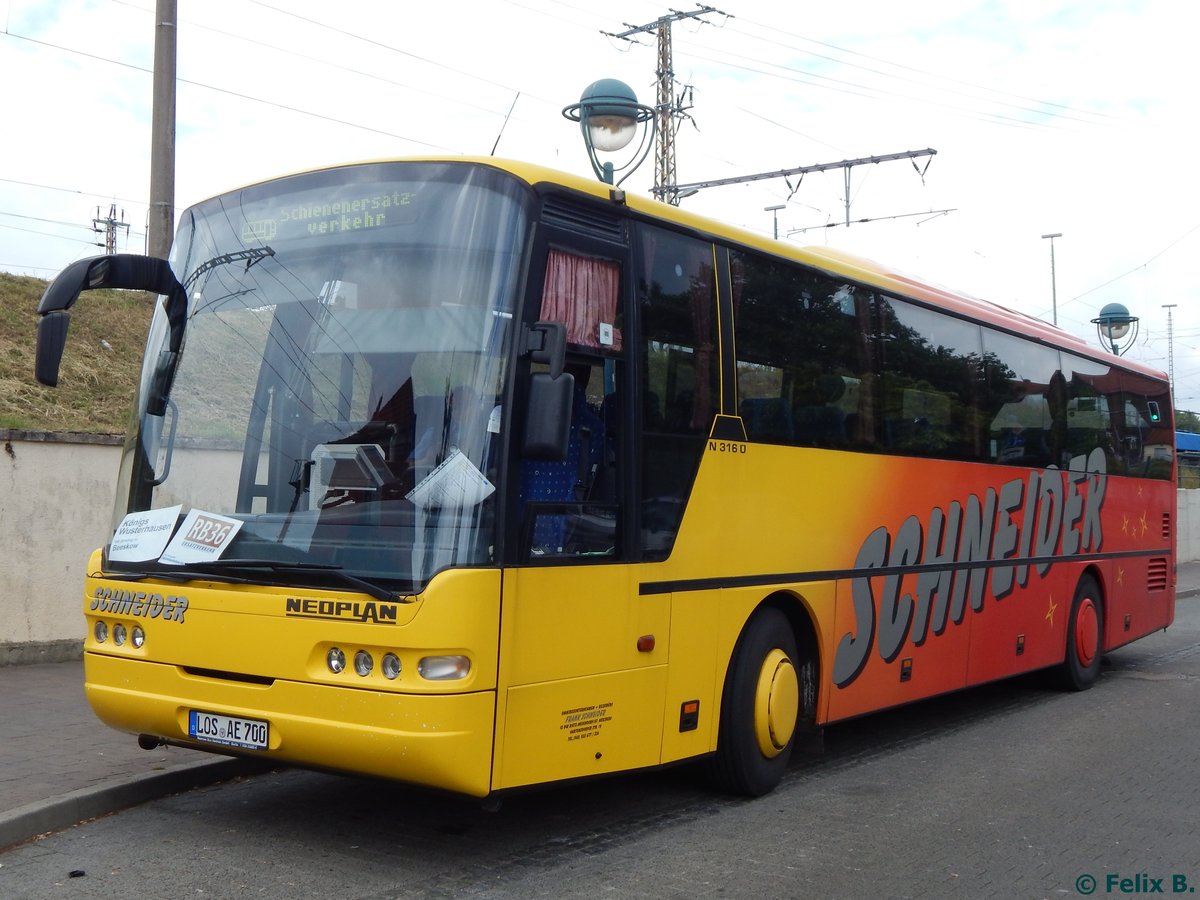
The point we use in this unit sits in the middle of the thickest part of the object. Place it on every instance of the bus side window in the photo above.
(1023, 384)
(797, 383)
(932, 382)
(679, 371)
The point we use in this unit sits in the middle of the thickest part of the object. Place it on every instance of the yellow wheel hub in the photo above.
(776, 703)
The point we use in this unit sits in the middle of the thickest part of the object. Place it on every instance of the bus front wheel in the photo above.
(1085, 638)
(759, 709)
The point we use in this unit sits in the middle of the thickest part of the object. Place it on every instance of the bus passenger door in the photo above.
(583, 657)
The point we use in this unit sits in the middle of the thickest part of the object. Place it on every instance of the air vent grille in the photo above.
(229, 676)
(1166, 526)
(1156, 574)
(583, 219)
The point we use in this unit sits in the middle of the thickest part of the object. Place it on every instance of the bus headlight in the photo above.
(138, 636)
(390, 666)
(336, 660)
(363, 663)
(444, 668)
(119, 634)
(101, 632)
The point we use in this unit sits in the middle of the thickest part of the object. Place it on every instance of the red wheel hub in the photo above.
(1087, 633)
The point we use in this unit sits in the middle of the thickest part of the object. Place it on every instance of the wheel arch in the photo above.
(1084, 643)
(808, 666)
(1093, 570)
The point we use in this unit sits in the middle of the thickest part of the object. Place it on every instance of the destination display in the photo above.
(320, 213)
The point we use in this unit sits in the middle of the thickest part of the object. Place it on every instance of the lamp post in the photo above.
(608, 115)
(774, 210)
(1113, 324)
(1053, 280)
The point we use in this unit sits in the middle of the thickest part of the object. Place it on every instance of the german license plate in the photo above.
(229, 731)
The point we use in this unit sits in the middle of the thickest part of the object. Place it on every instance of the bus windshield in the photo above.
(336, 403)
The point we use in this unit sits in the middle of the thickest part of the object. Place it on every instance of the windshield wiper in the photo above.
(224, 570)
(250, 255)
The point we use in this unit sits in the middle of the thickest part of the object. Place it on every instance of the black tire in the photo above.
(759, 709)
(1085, 638)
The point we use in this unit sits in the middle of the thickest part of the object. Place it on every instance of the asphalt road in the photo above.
(1010, 791)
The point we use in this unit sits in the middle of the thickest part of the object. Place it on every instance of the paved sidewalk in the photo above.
(59, 765)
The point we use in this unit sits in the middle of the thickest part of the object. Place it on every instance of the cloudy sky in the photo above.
(1048, 116)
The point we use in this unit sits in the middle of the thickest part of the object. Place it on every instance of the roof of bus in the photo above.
(834, 262)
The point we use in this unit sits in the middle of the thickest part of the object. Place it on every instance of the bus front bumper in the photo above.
(435, 740)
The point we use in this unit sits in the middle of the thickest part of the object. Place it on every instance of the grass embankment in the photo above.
(100, 366)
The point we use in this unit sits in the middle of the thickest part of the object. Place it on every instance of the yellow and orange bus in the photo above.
(480, 476)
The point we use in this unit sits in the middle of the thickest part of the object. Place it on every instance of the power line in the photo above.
(869, 92)
(983, 88)
(47, 221)
(380, 44)
(232, 93)
(929, 213)
(1136, 268)
(52, 187)
(61, 237)
(191, 23)
(8, 266)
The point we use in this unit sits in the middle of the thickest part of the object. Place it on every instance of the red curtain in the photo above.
(582, 292)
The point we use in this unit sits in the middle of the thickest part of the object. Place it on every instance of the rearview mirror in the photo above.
(124, 271)
(548, 416)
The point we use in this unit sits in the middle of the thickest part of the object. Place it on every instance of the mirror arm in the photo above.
(546, 342)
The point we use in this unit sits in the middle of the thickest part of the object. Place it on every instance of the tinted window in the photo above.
(679, 372)
(803, 362)
(1125, 415)
(1025, 388)
(932, 382)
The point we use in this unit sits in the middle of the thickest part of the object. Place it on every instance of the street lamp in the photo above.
(1113, 324)
(1053, 281)
(774, 210)
(608, 115)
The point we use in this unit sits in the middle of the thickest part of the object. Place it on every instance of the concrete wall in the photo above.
(1188, 527)
(56, 503)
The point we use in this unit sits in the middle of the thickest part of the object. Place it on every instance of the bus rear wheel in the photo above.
(1085, 638)
(759, 709)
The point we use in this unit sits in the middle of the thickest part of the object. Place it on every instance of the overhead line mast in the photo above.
(669, 108)
(108, 227)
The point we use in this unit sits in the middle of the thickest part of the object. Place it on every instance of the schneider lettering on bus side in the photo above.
(1039, 517)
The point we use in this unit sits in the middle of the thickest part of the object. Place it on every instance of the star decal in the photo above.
(1120, 576)
(1145, 527)
(1050, 611)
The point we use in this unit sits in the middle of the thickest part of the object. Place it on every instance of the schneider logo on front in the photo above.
(122, 602)
(307, 608)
